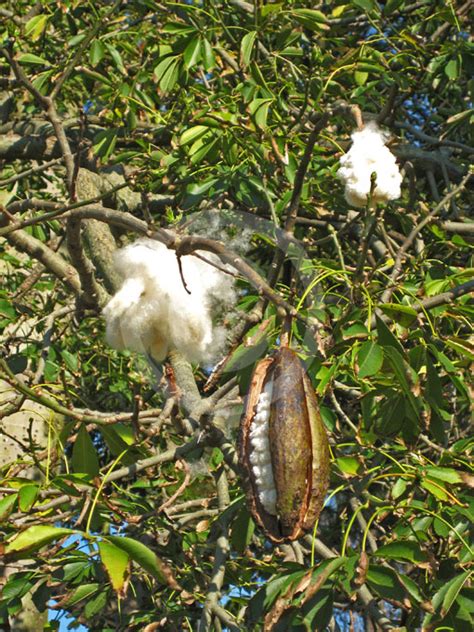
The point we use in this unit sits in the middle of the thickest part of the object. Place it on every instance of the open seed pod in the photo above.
(284, 450)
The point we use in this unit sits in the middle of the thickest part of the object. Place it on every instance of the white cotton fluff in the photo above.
(369, 154)
(259, 457)
(152, 312)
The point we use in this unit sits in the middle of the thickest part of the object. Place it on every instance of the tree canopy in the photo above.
(219, 127)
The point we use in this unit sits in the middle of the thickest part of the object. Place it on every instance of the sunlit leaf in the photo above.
(35, 26)
(311, 19)
(6, 506)
(116, 562)
(36, 537)
(246, 47)
(141, 554)
(27, 497)
(192, 53)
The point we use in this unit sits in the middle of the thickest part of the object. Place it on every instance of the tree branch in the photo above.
(50, 260)
(220, 555)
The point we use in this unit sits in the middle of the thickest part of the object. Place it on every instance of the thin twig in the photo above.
(341, 413)
(30, 172)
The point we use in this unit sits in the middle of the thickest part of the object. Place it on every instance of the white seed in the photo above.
(265, 396)
(259, 430)
(268, 500)
(260, 444)
(259, 456)
(264, 485)
(261, 417)
(262, 459)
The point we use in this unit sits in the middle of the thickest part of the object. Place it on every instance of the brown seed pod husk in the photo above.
(299, 449)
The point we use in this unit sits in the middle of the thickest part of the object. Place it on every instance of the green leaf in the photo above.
(452, 69)
(411, 587)
(16, 588)
(17, 363)
(311, 19)
(76, 39)
(117, 59)
(385, 582)
(434, 386)
(80, 593)
(386, 338)
(6, 506)
(118, 441)
(104, 143)
(97, 52)
(267, 9)
(29, 58)
(166, 73)
(27, 497)
(357, 330)
(447, 594)
(402, 370)
(96, 604)
(367, 5)
(318, 610)
(369, 67)
(142, 555)
(70, 360)
(208, 57)
(246, 48)
(36, 537)
(325, 375)
(75, 570)
(35, 26)
(349, 465)
(259, 109)
(192, 53)
(327, 568)
(391, 415)
(402, 314)
(280, 585)
(399, 488)
(463, 347)
(125, 432)
(170, 77)
(84, 455)
(99, 77)
(193, 133)
(215, 459)
(199, 189)
(199, 150)
(178, 28)
(369, 359)
(116, 562)
(435, 488)
(360, 77)
(402, 550)
(242, 530)
(446, 474)
(7, 309)
(391, 6)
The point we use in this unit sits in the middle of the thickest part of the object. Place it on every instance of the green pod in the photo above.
(298, 461)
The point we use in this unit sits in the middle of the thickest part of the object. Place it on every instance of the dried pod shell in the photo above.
(284, 450)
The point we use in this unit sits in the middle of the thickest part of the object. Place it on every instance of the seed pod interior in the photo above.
(283, 448)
